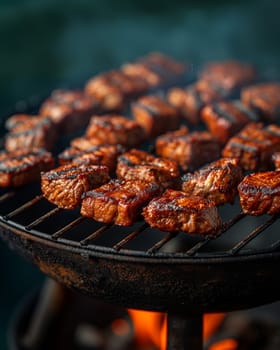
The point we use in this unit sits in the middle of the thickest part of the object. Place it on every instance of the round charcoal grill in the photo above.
(139, 267)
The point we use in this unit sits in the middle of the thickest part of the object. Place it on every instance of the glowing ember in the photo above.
(225, 344)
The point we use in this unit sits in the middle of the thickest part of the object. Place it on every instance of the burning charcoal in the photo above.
(224, 119)
(115, 129)
(191, 99)
(140, 165)
(260, 193)
(65, 185)
(70, 110)
(28, 132)
(118, 202)
(157, 69)
(264, 99)
(229, 75)
(97, 155)
(113, 89)
(176, 211)
(189, 150)
(155, 115)
(253, 146)
(216, 181)
(23, 167)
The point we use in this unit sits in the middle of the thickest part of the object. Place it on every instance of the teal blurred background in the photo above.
(46, 44)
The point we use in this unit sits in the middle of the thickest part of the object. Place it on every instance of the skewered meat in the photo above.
(70, 110)
(230, 75)
(176, 211)
(112, 89)
(276, 160)
(224, 119)
(155, 115)
(140, 165)
(189, 150)
(23, 167)
(254, 146)
(64, 186)
(116, 129)
(157, 69)
(264, 98)
(191, 99)
(216, 181)
(97, 155)
(28, 132)
(118, 202)
(260, 193)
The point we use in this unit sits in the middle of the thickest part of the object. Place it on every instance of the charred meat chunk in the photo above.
(97, 155)
(70, 110)
(276, 160)
(115, 129)
(84, 143)
(155, 115)
(118, 202)
(224, 119)
(189, 150)
(260, 193)
(30, 131)
(64, 186)
(140, 165)
(230, 75)
(264, 99)
(23, 167)
(156, 68)
(216, 181)
(175, 211)
(113, 89)
(191, 99)
(253, 146)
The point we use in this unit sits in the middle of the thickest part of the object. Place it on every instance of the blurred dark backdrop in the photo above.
(46, 44)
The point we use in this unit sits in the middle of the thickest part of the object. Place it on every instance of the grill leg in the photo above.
(183, 332)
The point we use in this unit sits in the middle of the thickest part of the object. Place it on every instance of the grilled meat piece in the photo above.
(253, 146)
(118, 202)
(224, 119)
(175, 211)
(229, 75)
(276, 160)
(155, 115)
(23, 167)
(113, 89)
(216, 181)
(157, 69)
(28, 132)
(264, 98)
(97, 155)
(189, 150)
(70, 110)
(260, 193)
(115, 129)
(191, 99)
(140, 165)
(64, 186)
(84, 143)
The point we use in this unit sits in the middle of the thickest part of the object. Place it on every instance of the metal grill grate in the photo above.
(38, 217)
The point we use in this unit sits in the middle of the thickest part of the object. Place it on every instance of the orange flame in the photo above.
(151, 328)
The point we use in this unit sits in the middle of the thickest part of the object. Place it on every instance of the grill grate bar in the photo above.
(24, 207)
(207, 239)
(43, 218)
(130, 237)
(6, 196)
(68, 227)
(162, 242)
(252, 235)
(95, 234)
